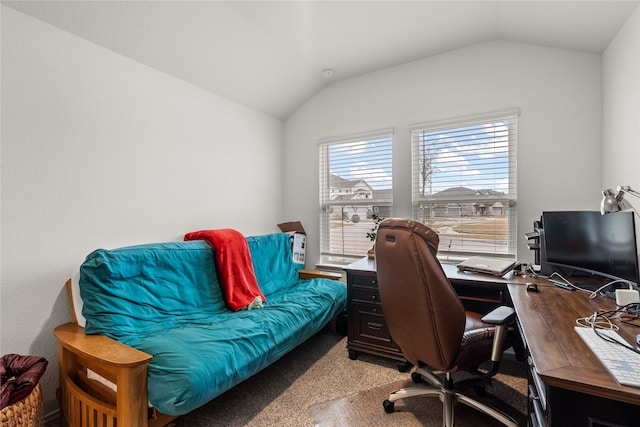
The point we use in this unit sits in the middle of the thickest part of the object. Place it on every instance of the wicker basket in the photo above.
(29, 412)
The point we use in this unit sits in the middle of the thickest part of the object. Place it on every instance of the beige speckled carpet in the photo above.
(318, 385)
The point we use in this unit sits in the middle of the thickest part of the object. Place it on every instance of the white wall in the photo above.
(621, 108)
(101, 151)
(559, 130)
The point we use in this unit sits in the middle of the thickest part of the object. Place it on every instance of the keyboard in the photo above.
(622, 363)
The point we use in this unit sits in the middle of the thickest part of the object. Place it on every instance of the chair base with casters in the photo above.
(448, 394)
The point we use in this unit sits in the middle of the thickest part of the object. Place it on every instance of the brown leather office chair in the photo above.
(428, 321)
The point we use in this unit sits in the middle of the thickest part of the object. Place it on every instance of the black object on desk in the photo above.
(562, 285)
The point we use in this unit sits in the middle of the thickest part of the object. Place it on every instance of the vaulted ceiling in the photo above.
(270, 55)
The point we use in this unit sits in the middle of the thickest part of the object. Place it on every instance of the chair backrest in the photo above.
(423, 312)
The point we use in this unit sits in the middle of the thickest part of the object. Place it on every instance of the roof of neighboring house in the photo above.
(336, 181)
(464, 191)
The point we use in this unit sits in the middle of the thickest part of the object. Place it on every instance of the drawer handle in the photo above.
(374, 297)
(374, 326)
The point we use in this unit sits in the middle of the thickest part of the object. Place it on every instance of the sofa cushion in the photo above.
(193, 364)
(272, 262)
(165, 299)
(139, 290)
(134, 291)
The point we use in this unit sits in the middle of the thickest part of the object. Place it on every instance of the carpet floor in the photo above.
(317, 384)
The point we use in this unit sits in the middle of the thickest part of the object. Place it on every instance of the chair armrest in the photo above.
(316, 274)
(499, 316)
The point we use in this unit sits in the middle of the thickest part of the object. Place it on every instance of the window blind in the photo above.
(464, 183)
(355, 186)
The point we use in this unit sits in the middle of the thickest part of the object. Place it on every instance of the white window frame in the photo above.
(447, 206)
(346, 204)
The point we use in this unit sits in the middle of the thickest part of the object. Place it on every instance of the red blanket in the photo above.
(233, 263)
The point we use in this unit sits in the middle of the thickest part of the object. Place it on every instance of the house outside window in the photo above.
(464, 184)
(355, 184)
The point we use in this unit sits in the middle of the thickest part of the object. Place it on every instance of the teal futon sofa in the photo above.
(158, 339)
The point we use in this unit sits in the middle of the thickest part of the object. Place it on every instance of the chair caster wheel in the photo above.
(388, 406)
(403, 367)
(416, 378)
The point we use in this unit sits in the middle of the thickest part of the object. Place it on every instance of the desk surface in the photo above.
(452, 272)
(562, 359)
(547, 319)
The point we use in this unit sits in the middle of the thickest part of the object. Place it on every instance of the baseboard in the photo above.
(52, 419)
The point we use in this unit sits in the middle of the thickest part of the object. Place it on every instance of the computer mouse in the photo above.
(532, 287)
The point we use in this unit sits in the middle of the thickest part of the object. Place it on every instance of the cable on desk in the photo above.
(606, 285)
(630, 311)
(606, 338)
(592, 294)
(600, 320)
(527, 269)
(593, 322)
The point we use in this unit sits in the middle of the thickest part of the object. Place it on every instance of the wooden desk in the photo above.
(568, 386)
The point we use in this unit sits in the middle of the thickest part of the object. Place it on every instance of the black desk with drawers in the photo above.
(367, 329)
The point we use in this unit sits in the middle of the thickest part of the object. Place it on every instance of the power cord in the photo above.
(601, 320)
(592, 294)
(593, 322)
(605, 337)
(567, 284)
(526, 269)
(630, 311)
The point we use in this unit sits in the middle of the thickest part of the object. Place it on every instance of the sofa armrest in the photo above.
(103, 350)
(125, 366)
(317, 274)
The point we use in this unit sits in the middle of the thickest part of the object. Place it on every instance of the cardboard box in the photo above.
(298, 240)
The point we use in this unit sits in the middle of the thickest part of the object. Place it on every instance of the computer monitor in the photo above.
(586, 243)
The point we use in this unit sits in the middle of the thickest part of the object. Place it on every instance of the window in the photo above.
(355, 186)
(464, 184)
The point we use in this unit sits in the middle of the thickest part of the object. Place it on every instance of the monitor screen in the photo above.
(588, 242)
